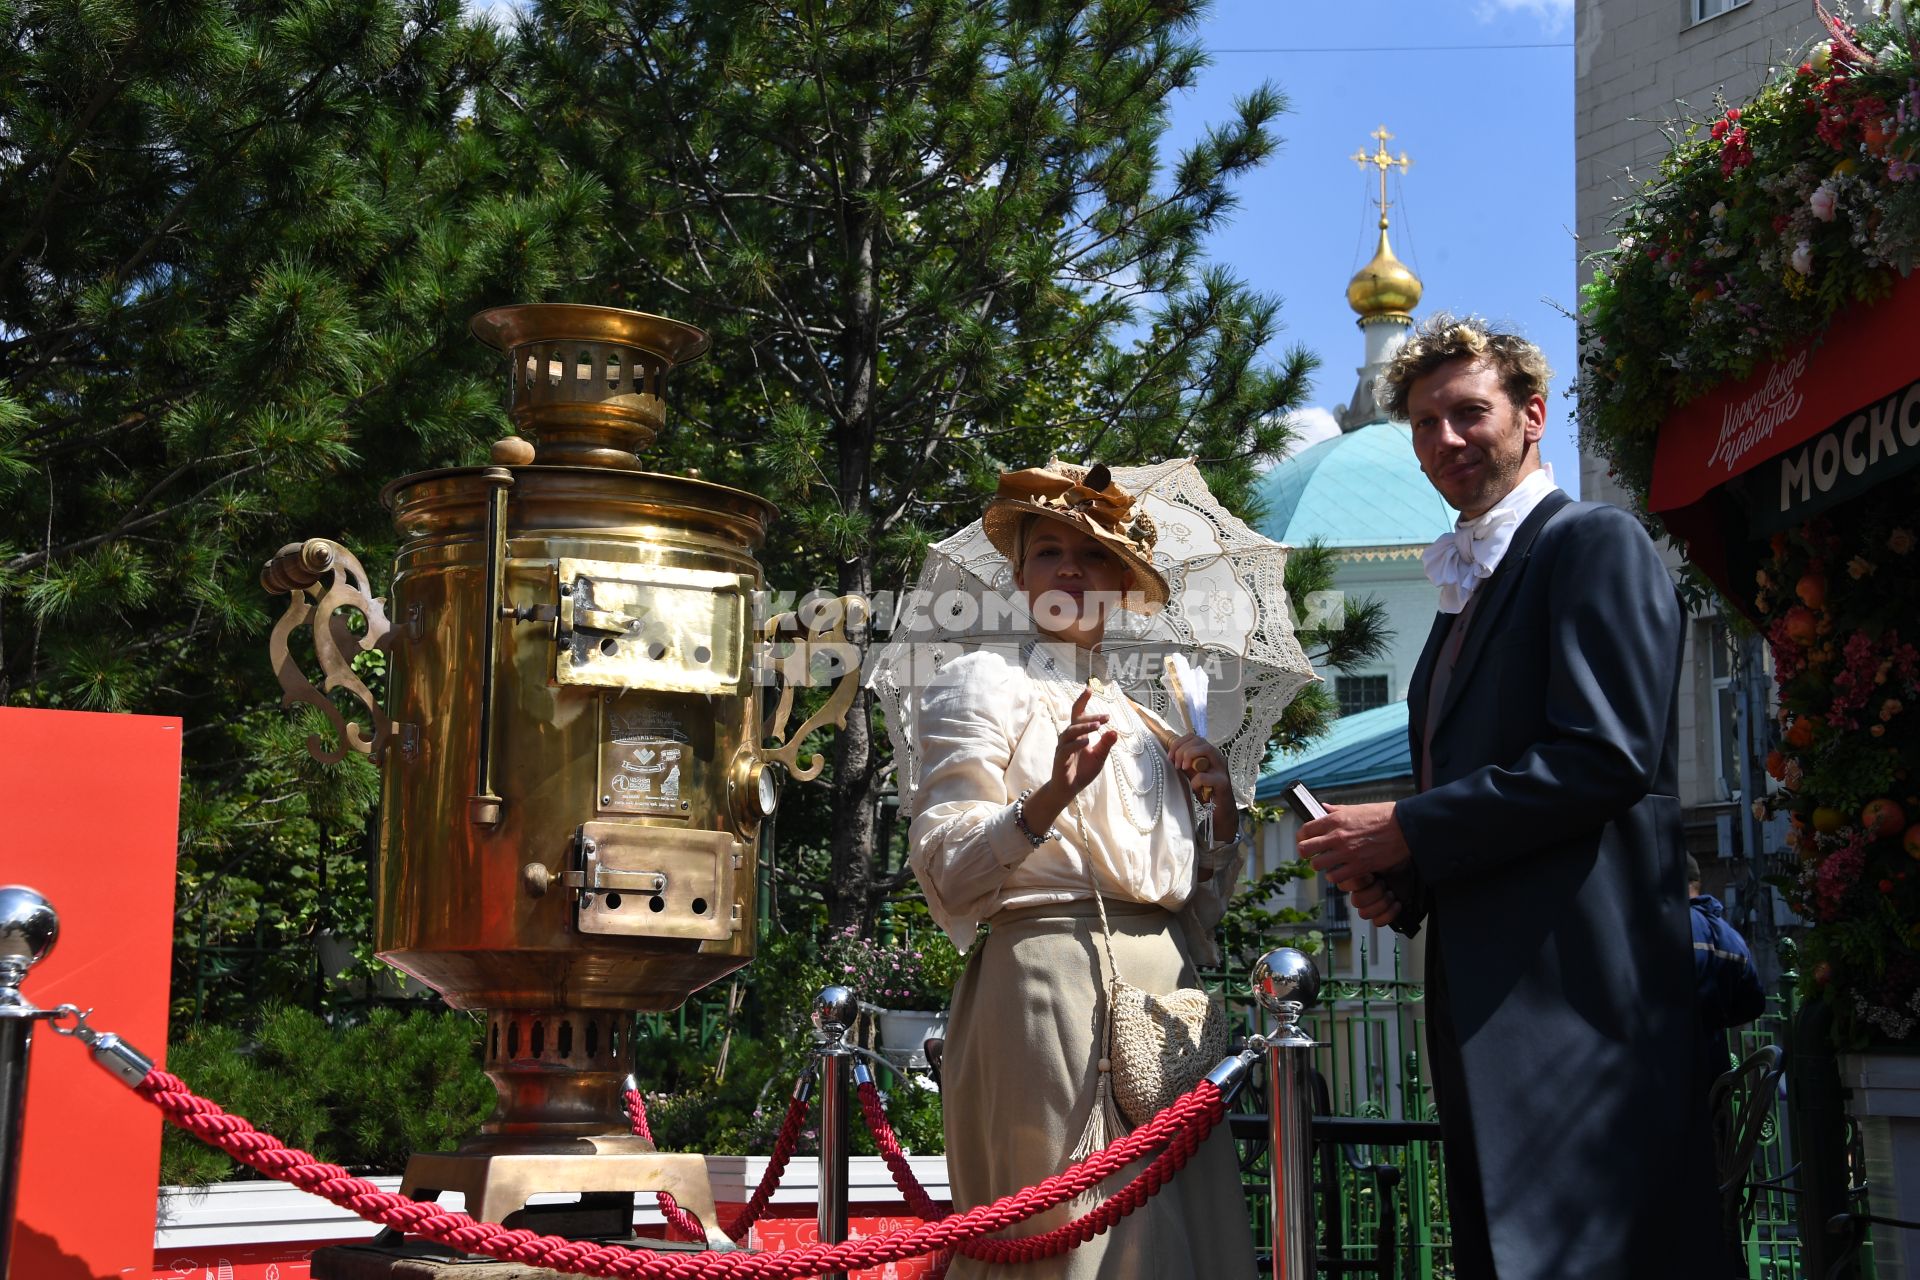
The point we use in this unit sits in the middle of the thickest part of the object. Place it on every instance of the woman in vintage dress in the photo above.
(1034, 776)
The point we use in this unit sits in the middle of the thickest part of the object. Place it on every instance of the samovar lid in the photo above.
(506, 328)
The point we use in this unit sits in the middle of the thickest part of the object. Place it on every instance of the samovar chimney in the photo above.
(588, 383)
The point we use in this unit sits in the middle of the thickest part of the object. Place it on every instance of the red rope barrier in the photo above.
(1179, 1129)
(919, 1203)
(678, 1219)
(783, 1147)
(1071, 1235)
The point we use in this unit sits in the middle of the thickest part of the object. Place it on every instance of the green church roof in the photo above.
(1368, 746)
(1362, 488)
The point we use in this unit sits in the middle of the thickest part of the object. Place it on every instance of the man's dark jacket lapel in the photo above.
(1497, 589)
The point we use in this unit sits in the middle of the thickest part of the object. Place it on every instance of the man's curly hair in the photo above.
(1442, 337)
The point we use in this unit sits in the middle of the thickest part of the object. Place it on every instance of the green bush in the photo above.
(364, 1096)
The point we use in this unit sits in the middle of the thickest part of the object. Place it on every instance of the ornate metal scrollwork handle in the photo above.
(321, 577)
(825, 636)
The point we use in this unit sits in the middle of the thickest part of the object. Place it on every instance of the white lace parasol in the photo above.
(1228, 616)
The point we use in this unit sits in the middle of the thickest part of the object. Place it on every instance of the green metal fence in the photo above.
(1371, 1032)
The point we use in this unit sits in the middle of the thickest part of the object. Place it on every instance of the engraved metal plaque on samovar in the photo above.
(574, 757)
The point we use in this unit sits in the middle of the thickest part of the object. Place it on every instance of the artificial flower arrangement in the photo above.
(1762, 222)
(1841, 604)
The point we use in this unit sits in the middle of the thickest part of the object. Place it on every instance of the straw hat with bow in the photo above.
(1087, 499)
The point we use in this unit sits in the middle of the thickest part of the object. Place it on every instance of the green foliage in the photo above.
(1251, 926)
(1337, 633)
(238, 247)
(916, 971)
(364, 1096)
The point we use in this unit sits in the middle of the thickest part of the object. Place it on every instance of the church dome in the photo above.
(1385, 287)
(1362, 488)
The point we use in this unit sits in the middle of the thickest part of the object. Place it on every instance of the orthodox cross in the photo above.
(1382, 161)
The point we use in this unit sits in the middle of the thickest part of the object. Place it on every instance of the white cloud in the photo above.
(1554, 15)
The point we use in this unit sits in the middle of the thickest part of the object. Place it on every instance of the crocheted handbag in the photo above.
(1157, 1046)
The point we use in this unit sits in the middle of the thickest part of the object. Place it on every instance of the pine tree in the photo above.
(934, 240)
(239, 243)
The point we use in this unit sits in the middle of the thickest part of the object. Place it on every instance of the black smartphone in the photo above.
(1302, 801)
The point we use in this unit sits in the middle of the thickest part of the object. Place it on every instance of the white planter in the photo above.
(1886, 1104)
(904, 1031)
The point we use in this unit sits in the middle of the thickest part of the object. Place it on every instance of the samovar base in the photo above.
(497, 1184)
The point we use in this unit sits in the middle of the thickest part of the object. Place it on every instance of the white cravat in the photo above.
(1460, 561)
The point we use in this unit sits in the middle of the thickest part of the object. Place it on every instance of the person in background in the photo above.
(1727, 993)
(1727, 989)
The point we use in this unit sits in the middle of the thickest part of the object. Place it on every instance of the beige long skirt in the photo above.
(1018, 1083)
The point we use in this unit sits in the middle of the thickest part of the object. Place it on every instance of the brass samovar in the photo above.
(573, 756)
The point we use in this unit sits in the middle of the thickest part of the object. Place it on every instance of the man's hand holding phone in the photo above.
(1355, 846)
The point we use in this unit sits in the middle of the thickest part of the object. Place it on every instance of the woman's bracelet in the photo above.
(1020, 822)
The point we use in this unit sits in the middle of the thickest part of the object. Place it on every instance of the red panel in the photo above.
(92, 805)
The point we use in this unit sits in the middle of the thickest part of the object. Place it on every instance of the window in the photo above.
(1339, 914)
(1360, 693)
(1725, 700)
(1704, 9)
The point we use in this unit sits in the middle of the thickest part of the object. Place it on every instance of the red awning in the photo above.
(1867, 353)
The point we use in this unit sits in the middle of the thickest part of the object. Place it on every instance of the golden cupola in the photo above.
(1386, 288)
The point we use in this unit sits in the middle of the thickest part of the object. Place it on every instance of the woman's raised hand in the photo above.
(1078, 757)
(1083, 747)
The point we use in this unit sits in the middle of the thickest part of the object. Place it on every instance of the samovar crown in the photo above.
(588, 382)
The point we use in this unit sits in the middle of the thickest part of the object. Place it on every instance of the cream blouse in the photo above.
(985, 730)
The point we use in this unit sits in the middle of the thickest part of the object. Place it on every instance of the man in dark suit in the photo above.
(1543, 850)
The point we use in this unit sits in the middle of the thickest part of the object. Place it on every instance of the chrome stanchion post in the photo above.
(28, 928)
(1285, 983)
(834, 1011)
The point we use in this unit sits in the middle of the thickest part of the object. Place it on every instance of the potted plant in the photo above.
(904, 981)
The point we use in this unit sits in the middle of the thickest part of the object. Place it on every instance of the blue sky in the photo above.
(1488, 212)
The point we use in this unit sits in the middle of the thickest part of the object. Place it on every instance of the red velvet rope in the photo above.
(919, 1203)
(685, 1223)
(1024, 1248)
(1179, 1129)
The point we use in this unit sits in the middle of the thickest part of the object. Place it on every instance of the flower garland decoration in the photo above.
(1760, 225)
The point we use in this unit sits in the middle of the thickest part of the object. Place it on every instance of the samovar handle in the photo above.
(321, 577)
(827, 636)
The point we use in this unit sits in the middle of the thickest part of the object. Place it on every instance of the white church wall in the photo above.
(1400, 584)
